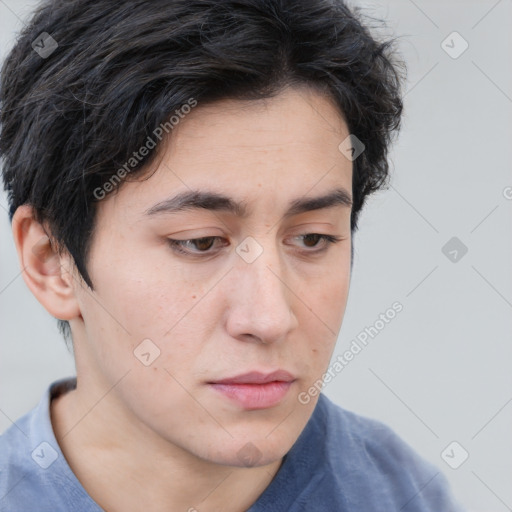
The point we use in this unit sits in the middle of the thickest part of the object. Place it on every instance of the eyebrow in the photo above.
(214, 201)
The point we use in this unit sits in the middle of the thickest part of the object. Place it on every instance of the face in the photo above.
(186, 297)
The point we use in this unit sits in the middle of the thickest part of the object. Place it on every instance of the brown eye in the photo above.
(194, 246)
(203, 244)
(311, 239)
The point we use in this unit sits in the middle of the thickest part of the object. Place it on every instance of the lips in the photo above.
(256, 377)
(255, 390)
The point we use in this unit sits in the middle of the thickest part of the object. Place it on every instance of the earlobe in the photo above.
(45, 272)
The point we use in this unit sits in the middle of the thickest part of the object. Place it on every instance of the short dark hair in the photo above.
(117, 70)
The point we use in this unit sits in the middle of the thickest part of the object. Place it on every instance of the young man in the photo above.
(185, 178)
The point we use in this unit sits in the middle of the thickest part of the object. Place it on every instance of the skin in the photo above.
(161, 430)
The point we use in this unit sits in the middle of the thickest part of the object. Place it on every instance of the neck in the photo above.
(125, 466)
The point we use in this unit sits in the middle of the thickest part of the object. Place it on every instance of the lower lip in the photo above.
(255, 396)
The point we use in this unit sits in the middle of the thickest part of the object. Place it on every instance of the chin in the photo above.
(250, 453)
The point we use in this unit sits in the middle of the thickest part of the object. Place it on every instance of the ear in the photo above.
(47, 274)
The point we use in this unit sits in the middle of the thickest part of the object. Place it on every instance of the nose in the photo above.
(261, 299)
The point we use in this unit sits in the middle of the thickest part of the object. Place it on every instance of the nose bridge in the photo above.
(265, 272)
(262, 300)
(261, 268)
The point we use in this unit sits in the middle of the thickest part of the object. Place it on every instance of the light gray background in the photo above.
(440, 371)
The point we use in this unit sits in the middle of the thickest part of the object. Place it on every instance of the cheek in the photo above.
(323, 322)
(139, 291)
(131, 309)
(331, 295)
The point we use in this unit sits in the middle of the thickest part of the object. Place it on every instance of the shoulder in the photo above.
(34, 474)
(17, 455)
(378, 463)
(369, 437)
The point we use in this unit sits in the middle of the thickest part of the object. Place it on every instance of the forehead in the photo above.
(294, 116)
(273, 150)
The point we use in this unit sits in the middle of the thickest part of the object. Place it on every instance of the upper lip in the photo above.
(256, 377)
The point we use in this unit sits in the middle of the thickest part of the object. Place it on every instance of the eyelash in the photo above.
(177, 245)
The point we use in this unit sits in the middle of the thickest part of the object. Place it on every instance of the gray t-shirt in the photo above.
(340, 462)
